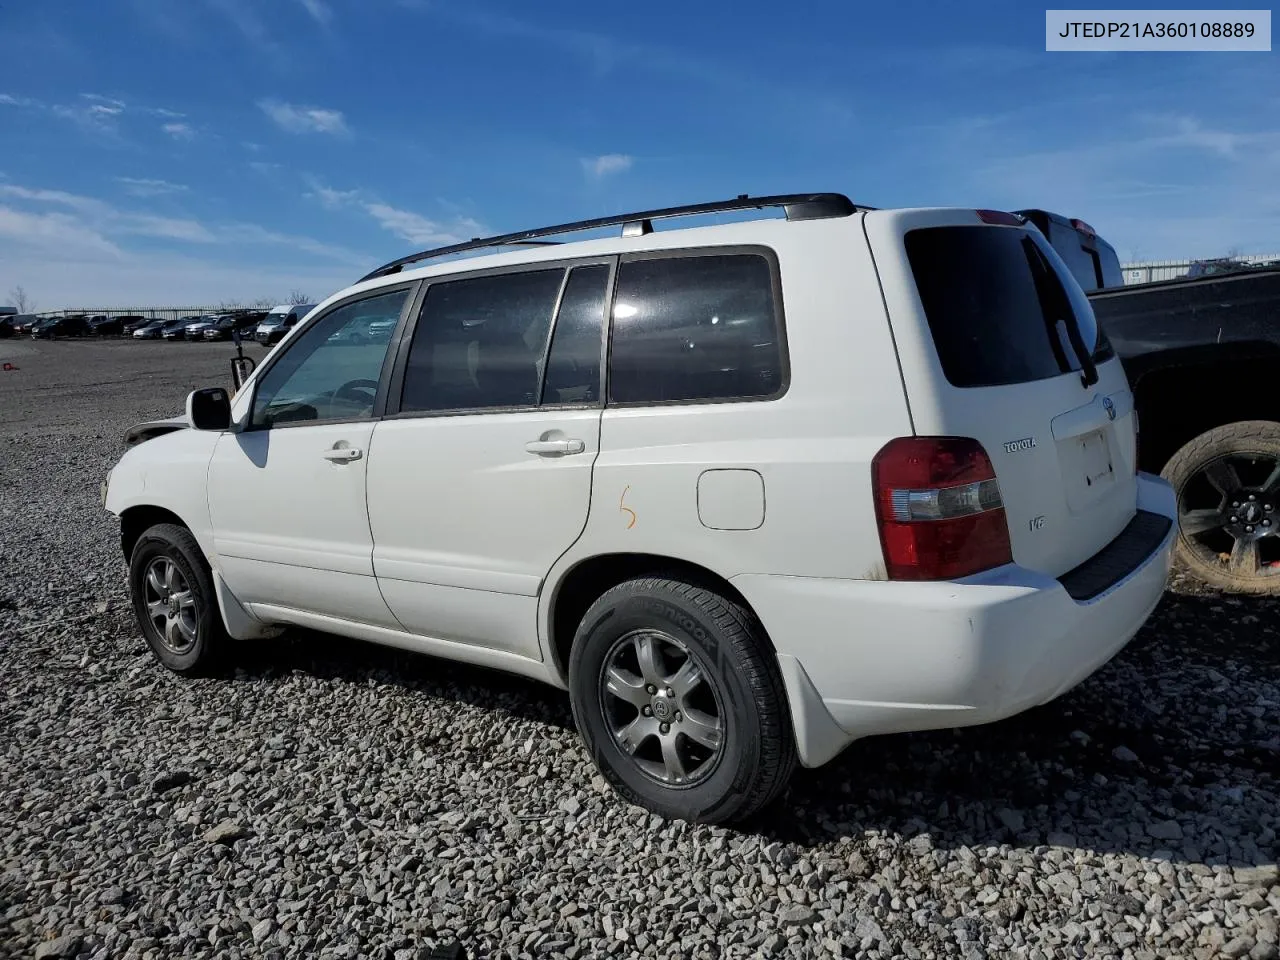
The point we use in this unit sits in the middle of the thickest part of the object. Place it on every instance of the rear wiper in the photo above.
(1055, 306)
(1089, 369)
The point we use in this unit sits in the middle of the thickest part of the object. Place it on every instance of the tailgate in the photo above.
(996, 342)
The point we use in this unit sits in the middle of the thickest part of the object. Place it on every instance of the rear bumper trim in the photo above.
(1140, 538)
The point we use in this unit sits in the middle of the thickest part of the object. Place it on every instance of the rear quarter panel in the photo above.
(812, 446)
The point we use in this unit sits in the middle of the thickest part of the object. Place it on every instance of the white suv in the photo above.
(748, 491)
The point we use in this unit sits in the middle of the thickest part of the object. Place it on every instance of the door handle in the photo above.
(552, 448)
(343, 454)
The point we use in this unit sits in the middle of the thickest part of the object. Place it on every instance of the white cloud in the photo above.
(99, 98)
(253, 233)
(320, 13)
(56, 244)
(94, 118)
(100, 106)
(606, 164)
(54, 234)
(406, 224)
(97, 218)
(419, 229)
(1189, 132)
(166, 228)
(99, 114)
(301, 119)
(330, 198)
(60, 197)
(143, 187)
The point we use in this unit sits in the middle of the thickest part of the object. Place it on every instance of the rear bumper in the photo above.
(890, 657)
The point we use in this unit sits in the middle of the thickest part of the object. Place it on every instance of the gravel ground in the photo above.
(332, 799)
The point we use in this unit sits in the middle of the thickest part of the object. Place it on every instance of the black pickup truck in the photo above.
(1199, 353)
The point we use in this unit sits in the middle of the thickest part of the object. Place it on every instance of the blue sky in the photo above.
(194, 151)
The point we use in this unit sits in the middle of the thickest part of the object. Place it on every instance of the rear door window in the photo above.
(1000, 304)
(573, 361)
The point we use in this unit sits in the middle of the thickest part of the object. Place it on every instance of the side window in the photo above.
(479, 343)
(695, 328)
(573, 363)
(328, 372)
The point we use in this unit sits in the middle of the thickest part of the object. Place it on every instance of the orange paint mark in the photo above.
(623, 508)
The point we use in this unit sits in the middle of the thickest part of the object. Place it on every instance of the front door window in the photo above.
(331, 369)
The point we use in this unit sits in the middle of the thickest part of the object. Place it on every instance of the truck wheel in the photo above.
(678, 697)
(1228, 486)
(174, 600)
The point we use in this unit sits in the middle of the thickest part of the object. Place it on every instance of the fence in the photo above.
(1147, 271)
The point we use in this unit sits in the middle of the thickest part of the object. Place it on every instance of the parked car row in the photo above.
(15, 323)
(267, 327)
(213, 326)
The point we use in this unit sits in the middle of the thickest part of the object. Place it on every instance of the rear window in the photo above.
(1000, 303)
(1082, 262)
(1109, 263)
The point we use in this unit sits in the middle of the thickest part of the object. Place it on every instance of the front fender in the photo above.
(171, 472)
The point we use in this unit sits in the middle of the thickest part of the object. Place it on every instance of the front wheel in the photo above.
(677, 695)
(1228, 486)
(174, 599)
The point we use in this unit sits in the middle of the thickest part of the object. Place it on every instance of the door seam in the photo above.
(373, 542)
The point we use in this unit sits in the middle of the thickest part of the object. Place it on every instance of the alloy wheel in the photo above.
(171, 605)
(1229, 514)
(662, 707)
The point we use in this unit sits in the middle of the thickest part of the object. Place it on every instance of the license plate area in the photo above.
(1095, 459)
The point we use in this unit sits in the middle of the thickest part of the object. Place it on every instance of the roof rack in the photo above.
(796, 206)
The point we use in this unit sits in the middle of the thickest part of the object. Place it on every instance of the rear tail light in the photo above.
(939, 509)
(1084, 228)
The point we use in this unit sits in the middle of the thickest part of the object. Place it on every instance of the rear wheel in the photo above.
(174, 599)
(1228, 486)
(677, 694)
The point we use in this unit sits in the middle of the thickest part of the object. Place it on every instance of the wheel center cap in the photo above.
(662, 708)
(1251, 513)
(174, 606)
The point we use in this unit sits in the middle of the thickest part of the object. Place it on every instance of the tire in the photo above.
(188, 637)
(728, 777)
(1230, 464)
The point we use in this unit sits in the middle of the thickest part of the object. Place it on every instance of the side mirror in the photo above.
(209, 409)
(241, 367)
